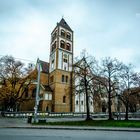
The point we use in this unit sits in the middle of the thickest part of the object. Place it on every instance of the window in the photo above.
(68, 47)
(52, 64)
(82, 102)
(62, 33)
(54, 35)
(66, 79)
(65, 60)
(54, 46)
(62, 44)
(63, 78)
(52, 61)
(76, 102)
(64, 99)
(68, 35)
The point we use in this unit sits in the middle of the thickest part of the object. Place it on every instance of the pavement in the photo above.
(21, 123)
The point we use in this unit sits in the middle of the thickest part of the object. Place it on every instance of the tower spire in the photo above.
(64, 24)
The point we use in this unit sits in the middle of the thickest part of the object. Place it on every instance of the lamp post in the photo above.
(37, 92)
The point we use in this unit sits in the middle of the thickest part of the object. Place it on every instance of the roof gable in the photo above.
(44, 66)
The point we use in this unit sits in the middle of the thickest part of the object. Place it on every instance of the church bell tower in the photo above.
(61, 61)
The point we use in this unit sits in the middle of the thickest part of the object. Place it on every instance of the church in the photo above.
(55, 94)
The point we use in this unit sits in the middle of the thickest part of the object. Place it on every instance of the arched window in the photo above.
(63, 78)
(62, 44)
(54, 35)
(68, 35)
(51, 78)
(62, 33)
(68, 47)
(66, 79)
(54, 46)
(64, 99)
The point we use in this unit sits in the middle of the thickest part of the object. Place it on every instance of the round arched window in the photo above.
(68, 47)
(62, 33)
(68, 35)
(62, 44)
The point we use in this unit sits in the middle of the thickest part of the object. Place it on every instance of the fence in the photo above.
(67, 114)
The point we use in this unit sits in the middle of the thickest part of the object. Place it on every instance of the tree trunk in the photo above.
(109, 100)
(126, 112)
(87, 108)
(87, 101)
(109, 108)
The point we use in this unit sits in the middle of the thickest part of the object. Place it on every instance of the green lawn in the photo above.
(104, 123)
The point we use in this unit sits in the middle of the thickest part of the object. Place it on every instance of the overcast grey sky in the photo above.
(102, 27)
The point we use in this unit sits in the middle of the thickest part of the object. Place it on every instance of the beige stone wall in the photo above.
(43, 104)
(61, 89)
(44, 78)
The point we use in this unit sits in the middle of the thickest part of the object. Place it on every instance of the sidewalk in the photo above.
(22, 124)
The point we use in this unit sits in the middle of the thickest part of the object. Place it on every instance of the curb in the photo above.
(74, 128)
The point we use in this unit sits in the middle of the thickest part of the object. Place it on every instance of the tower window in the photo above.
(52, 61)
(76, 102)
(68, 35)
(62, 44)
(52, 65)
(62, 33)
(64, 99)
(54, 35)
(65, 60)
(82, 102)
(63, 78)
(68, 47)
(54, 46)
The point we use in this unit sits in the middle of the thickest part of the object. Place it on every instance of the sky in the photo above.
(105, 28)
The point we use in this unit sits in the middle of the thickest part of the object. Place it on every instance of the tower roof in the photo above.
(64, 24)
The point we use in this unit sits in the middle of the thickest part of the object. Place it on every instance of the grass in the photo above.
(97, 123)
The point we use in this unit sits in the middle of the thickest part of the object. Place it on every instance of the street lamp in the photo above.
(37, 91)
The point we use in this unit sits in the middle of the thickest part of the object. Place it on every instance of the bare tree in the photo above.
(109, 71)
(83, 78)
(15, 80)
(129, 93)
